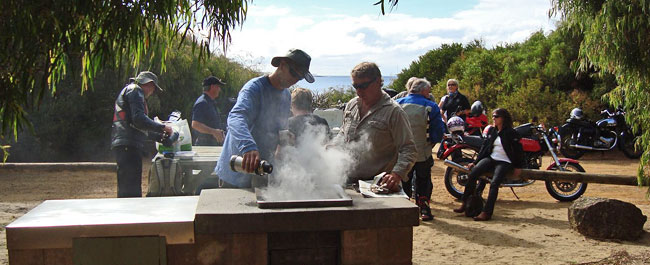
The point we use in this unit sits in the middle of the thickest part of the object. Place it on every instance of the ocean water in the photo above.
(322, 83)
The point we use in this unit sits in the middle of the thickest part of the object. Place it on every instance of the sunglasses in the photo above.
(451, 85)
(295, 74)
(363, 85)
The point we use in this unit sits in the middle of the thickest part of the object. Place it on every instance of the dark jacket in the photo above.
(510, 141)
(453, 104)
(131, 125)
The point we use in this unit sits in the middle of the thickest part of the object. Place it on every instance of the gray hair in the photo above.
(409, 83)
(454, 81)
(419, 85)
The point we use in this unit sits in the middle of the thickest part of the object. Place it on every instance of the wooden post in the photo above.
(554, 175)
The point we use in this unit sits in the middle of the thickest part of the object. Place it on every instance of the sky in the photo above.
(339, 34)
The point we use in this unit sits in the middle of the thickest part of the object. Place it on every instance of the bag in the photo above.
(184, 142)
(165, 178)
(475, 205)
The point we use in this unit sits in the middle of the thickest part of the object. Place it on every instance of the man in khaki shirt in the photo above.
(377, 130)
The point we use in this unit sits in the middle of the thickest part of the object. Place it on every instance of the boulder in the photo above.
(606, 218)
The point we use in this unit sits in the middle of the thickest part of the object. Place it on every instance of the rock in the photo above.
(606, 218)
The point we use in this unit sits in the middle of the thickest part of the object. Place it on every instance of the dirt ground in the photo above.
(531, 230)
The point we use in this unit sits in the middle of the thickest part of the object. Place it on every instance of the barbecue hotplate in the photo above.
(328, 196)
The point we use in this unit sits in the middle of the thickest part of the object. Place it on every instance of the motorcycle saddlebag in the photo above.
(525, 130)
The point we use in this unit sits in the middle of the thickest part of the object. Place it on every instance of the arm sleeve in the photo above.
(436, 125)
(198, 112)
(139, 119)
(241, 118)
(403, 139)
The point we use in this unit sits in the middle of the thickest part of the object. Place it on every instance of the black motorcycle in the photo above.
(579, 135)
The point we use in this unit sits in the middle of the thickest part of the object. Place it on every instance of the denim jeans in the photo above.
(487, 164)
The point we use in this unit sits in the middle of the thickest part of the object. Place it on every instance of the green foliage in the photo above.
(74, 127)
(616, 42)
(545, 107)
(432, 65)
(42, 40)
(535, 78)
(333, 97)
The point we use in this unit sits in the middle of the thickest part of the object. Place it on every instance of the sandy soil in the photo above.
(531, 230)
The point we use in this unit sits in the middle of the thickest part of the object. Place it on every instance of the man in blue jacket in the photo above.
(131, 126)
(262, 110)
(427, 127)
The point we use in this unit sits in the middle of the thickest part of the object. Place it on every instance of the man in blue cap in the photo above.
(206, 120)
(262, 110)
(131, 126)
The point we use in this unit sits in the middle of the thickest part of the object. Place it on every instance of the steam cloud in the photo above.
(303, 170)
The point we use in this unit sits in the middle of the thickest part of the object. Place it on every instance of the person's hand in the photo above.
(516, 172)
(168, 130)
(251, 161)
(218, 135)
(392, 181)
(470, 165)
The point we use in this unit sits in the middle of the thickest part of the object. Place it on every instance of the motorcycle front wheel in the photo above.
(629, 147)
(566, 191)
(566, 150)
(455, 180)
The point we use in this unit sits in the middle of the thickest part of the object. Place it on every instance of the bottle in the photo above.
(236, 165)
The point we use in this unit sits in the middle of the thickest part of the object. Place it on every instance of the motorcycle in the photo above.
(535, 142)
(578, 135)
(474, 125)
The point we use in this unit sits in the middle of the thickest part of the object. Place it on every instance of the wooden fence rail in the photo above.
(563, 176)
(56, 167)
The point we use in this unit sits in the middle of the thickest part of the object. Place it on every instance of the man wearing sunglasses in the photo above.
(262, 110)
(375, 122)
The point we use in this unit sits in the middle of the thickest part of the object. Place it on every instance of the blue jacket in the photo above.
(426, 123)
(260, 113)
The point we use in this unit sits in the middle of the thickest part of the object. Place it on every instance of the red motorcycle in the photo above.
(535, 142)
(474, 125)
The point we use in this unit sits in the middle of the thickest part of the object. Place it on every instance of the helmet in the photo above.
(456, 125)
(577, 114)
(477, 108)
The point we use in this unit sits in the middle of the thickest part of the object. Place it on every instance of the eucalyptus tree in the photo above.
(617, 41)
(41, 40)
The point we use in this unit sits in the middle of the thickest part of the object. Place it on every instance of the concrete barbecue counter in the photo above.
(228, 228)
(235, 211)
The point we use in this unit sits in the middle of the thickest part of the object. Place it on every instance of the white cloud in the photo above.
(337, 42)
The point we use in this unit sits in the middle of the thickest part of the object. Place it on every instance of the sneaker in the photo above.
(425, 210)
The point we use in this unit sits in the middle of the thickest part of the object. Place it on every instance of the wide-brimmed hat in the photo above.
(146, 77)
(300, 58)
(212, 80)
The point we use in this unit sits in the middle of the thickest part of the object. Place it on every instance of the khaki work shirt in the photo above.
(381, 141)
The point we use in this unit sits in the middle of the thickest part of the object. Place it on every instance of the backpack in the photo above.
(165, 178)
(475, 204)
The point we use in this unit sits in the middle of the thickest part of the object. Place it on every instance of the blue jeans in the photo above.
(487, 164)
